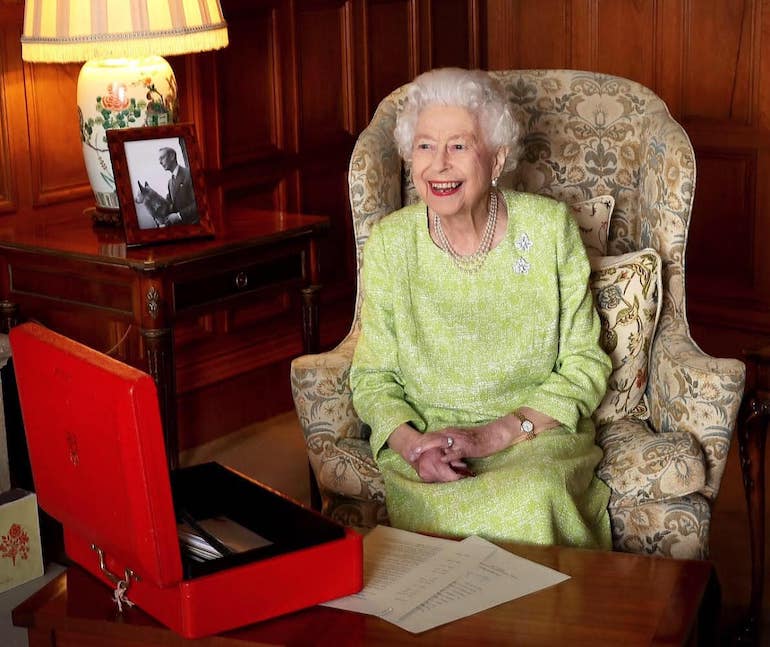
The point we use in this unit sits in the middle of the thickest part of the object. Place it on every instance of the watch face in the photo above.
(527, 426)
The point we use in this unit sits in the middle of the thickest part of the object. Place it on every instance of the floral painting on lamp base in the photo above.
(120, 93)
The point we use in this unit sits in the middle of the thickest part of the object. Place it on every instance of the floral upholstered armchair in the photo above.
(585, 135)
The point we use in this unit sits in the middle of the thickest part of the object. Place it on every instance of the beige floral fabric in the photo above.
(677, 528)
(585, 135)
(593, 219)
(691, 391)
(627, 295)
(336, 440)
(640, 465)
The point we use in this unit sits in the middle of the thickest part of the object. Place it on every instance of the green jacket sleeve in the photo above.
(578, 381)
(375, 379)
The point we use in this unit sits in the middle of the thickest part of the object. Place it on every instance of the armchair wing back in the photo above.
(585, 134)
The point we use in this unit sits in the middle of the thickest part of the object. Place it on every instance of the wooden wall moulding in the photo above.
(626, 39)
(451, 33)
(326, 96)
(387, 57)
(252, 89)
(14, 144)
(7, 192)
(324, 190)
(724, 221)
(56, 158)
(724, 323)
(543, 38)
(721, 59)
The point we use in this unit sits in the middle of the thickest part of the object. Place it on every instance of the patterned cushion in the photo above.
(593, 218)
(627, 292)
(678, 528)
(641, 465)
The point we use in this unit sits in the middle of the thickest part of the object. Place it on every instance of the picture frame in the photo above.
(159, 182)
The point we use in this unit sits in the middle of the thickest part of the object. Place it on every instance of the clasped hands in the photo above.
(440, 457)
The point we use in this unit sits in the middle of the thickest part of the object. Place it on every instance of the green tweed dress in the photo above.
(442, 347)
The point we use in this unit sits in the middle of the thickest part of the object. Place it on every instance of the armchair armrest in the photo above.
(336, 439)
(321, 391)
(689, 390)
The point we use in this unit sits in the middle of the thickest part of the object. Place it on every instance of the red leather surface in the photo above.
(98, 460)
(246, 594)
(96, 448)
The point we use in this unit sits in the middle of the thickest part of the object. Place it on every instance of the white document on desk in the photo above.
(403, 569)
(418, 582)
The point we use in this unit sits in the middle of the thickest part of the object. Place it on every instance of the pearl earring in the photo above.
(494, 182)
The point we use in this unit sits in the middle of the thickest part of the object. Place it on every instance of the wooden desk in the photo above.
(611, 599)
(189, 312)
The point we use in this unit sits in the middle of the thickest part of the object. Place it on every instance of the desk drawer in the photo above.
(272, 273)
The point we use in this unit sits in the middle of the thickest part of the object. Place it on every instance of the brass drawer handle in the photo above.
(241, 280)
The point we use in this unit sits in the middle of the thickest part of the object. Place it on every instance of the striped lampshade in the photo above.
(65, 31)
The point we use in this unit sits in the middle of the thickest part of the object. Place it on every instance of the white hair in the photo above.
(474, 90)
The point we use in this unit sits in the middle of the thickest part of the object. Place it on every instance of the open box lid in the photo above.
(96, 449)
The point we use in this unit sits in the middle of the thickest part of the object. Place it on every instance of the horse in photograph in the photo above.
(157, 206)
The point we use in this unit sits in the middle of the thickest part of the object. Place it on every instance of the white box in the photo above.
(21, 554)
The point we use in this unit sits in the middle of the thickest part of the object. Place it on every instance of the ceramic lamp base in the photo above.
(120, 93)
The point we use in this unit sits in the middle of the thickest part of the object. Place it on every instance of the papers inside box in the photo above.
(238, 521)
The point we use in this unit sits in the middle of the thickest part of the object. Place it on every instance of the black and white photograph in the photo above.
(160, 172)
(159, 183)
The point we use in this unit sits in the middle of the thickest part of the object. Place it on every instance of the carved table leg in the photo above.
(752, 432)
(160, 364)
(311, 344)
(311, 341)
(9, 315)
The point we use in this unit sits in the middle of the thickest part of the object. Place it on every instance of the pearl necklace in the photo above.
(472, 262)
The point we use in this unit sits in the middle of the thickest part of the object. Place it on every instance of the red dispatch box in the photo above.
(99, 464)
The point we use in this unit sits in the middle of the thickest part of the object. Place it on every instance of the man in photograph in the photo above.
(181, 197)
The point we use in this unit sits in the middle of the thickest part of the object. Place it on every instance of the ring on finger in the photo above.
(450, 441)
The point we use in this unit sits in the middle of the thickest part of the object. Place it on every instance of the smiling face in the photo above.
(452, 167)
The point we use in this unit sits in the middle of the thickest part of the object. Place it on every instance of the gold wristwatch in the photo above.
(527, 426)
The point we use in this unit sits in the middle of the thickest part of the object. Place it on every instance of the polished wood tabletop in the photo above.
(66, 233)
(611, 599)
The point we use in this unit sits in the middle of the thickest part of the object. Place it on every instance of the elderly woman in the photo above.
(478, 364)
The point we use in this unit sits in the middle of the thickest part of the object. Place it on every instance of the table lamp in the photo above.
(125, 82)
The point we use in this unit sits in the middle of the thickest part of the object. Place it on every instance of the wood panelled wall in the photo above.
(710, 62)
(278, 112)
